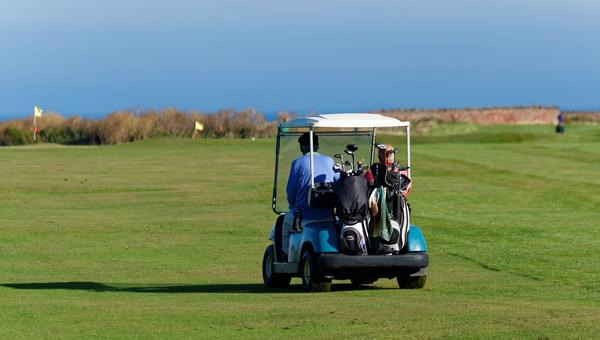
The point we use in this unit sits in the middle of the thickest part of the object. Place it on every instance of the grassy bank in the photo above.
(163, 239)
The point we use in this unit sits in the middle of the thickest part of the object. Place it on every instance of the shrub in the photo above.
(116, 128)
(175, 123)
(125, 126)
(14, 136)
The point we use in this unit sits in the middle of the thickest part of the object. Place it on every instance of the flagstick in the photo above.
(34, 126)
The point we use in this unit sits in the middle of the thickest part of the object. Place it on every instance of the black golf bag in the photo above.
(352, 209)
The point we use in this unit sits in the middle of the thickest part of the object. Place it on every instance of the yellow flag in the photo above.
(37, 111)
(199, 126)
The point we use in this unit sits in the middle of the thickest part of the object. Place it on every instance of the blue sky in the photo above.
(92, 57)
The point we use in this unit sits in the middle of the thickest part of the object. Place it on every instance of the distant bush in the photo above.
(175, 123)
(116, 128)
(582, 117)
(14, 136)
(129, 125)
(482, 116)
(125, 126)
(242, 124)
(67, 135)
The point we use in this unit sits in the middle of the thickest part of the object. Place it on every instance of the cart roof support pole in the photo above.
(372, 147)
(312, 162)
(408, 149)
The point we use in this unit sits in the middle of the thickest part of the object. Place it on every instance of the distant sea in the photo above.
(269, 115)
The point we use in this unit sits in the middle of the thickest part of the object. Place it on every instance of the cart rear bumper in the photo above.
(335, 263)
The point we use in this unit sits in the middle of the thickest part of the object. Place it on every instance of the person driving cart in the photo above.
(298, 186)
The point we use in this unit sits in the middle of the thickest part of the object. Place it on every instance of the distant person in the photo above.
(560, 127)
(298, 186)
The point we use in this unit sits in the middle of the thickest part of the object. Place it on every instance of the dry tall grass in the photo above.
(582, 117)
(128, 125)
(124, 126)
(483, 116)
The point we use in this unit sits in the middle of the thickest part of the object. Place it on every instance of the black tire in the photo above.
(411, 282)
(270, 278)
(309, 272)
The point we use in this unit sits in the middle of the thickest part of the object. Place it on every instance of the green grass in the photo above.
(163, 239)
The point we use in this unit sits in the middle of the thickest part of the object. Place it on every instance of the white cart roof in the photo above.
(345, 120)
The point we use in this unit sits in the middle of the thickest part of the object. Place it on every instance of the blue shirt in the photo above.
(299, 183)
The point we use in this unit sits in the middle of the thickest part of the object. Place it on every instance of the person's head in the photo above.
(386, 154)
(304, 142)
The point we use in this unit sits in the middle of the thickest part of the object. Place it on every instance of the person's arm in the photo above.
(373, 203)
(292, 186)
(409, 188)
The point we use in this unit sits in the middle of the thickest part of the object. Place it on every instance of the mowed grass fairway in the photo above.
(163, 239)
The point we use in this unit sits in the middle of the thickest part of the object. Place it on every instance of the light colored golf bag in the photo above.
(354, 238)
(399, 221)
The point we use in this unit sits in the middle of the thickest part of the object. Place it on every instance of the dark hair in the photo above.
(305, 139)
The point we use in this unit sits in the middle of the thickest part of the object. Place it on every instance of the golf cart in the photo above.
(314, 252)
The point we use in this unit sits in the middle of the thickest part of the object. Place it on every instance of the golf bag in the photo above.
(390, 227)
(353, 239)
(351, 193)
(401, 215)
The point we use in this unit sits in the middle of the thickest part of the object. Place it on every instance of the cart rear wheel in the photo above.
(270, 278)
(311, 278)
(411, 282)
